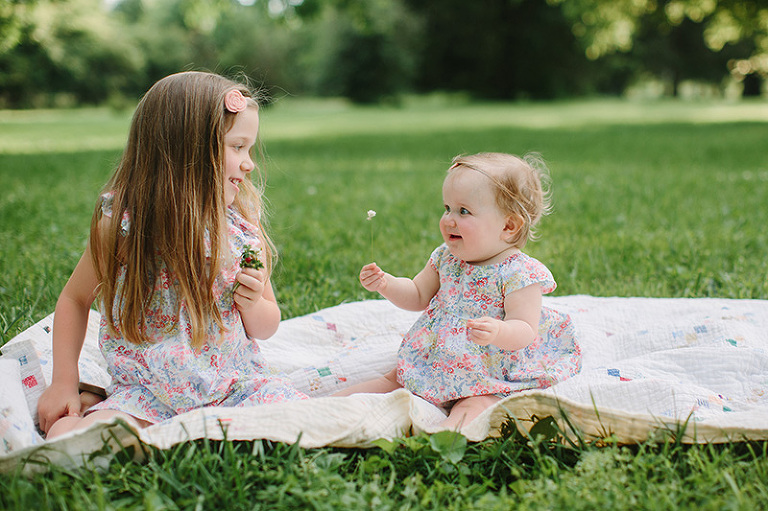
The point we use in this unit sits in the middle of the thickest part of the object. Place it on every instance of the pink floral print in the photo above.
(166, 377)
(438, 362)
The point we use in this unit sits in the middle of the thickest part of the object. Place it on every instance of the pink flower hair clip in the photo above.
(235, 102)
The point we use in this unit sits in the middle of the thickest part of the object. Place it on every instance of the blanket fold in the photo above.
(653, 368)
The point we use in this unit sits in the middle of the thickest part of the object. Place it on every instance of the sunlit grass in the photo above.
(645, 208)
(45, 131)
(296, 118)
(650, 199)
(62, 131)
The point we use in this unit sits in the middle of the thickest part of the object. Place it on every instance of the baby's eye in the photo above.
(463, 211)
(447, 208)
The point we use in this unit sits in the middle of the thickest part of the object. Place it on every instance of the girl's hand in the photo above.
(373, 278)
(57, 401)
(483, 331)
(250, 288)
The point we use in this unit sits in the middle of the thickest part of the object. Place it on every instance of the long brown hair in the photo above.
(170, 182)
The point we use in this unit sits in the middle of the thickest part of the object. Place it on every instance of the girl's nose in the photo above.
(247, 165)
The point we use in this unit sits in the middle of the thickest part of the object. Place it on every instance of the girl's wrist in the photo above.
(65, 381)
(65, 373)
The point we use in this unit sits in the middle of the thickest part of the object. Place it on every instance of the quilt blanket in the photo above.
(652, 367)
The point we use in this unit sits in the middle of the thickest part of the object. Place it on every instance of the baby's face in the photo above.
(473, 226)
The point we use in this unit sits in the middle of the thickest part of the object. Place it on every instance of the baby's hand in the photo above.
(483, 331)
(249, 288)
(373, 278)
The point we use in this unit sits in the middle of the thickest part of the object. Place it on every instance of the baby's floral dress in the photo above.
(155, 381)
(439, 363)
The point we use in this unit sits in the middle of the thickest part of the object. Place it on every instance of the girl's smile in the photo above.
(238, 142)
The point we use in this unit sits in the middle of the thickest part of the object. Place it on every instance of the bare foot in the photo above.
(381, 385)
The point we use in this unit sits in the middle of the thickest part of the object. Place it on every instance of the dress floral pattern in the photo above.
(439, 363)
(165, 377)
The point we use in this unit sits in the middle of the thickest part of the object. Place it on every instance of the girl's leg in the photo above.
(466, 410)
(88, 399)
(71, 423)
(381, 385)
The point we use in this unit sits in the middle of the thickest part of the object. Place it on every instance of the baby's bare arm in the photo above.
(409, 294)
(520, 326)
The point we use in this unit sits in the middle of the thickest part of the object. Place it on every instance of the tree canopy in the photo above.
(68, 52)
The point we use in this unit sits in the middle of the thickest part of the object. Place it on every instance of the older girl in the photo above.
(163, 260)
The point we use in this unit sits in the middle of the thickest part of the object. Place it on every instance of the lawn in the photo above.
(664, 199)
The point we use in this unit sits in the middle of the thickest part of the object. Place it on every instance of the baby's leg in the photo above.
(72, 423)
(466, 410)
(380, 385)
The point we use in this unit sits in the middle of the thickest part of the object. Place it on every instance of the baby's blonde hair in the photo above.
(521, 184)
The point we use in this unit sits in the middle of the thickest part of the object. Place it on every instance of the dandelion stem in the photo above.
(371, 214)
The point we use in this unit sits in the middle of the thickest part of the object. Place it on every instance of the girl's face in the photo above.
(473, 226)
(238, 142)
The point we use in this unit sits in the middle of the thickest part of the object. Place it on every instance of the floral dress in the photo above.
(439, 363)
(155, 381)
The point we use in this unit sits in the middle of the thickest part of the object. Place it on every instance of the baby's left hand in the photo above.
(250, 288)
(483, 331)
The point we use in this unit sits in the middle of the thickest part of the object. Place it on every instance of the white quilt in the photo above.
(652, 367)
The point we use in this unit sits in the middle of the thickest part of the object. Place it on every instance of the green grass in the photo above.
(651, 199)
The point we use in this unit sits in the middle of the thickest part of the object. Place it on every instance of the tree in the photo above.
(735, 29)
(363, 49)
(677, 51)
(499, 49)
(65, 47)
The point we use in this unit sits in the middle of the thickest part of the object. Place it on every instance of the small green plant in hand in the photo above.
(250, 259)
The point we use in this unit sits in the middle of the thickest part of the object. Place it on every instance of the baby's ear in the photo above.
(513, 226)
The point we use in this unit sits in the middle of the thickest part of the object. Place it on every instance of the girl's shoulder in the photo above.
(241, 230)
(107, 201)
(521, 270)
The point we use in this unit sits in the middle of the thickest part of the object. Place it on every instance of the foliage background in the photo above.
(71, 52)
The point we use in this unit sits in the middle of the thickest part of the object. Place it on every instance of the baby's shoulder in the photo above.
(521, 270)
(438, 257)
